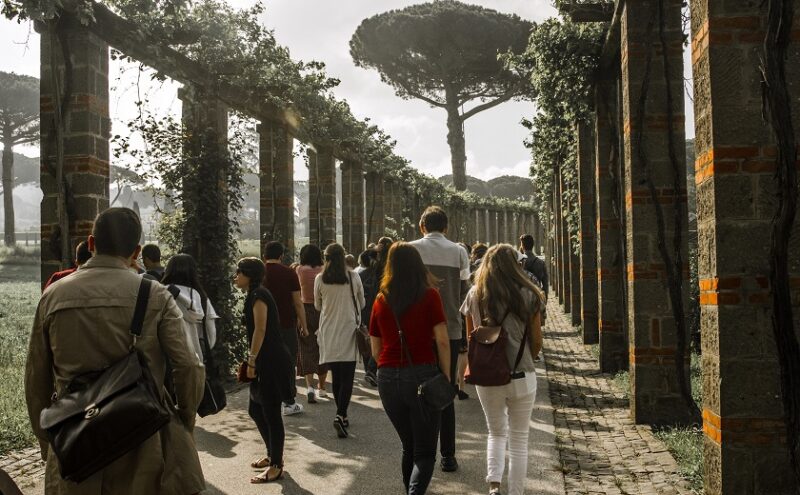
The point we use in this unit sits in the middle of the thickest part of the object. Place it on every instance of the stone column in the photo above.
(656, 213)
(353, 218)
(85, 138)
(492, 223)
(375, 207)
(322, 196)
(502, 226)
(745, 444)
(480, 225)
(566, 248)
(588, 250)
(610, 309)
(276, 179)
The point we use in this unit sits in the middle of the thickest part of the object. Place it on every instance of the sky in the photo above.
(320, 30)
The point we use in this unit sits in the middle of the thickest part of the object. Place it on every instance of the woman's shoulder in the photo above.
(263, 294)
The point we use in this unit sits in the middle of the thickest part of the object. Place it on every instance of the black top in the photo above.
(273, 364)
(539, 269)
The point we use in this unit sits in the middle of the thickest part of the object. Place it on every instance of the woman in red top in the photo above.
(408, 295)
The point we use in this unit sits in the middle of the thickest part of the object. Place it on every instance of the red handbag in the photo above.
(241, 374)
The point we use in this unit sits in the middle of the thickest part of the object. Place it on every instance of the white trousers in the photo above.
(508, 414)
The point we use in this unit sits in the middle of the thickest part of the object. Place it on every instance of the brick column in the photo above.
(322, 196)
(745, 445)
(276, 179)
(556, 229)
(353, 218)
(375, 207)
(87, 128)
(588, 250)
(610, 309)
(655, 184)
(566, 248)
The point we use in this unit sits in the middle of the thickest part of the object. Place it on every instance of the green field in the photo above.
(19, 294)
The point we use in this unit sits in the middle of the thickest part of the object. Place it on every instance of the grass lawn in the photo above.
(19, 295)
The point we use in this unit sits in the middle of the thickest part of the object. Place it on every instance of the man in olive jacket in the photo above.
(82, 324)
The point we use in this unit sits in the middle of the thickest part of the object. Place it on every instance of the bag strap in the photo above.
(521, 348)
(353, 295)
(142, 298)
(400, 332)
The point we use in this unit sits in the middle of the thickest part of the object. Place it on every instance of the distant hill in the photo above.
(506, 186)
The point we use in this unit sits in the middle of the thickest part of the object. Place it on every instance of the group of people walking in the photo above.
(410, 311)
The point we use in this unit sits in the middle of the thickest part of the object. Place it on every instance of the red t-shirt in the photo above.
(281, 281)
(59, 275)
(417, 322)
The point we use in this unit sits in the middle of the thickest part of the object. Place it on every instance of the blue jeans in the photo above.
(418, 429)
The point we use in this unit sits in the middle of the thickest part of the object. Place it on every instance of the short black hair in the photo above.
(116, 232)
(434, 219)
(82, 253)
(253, 269)
(273, 250)
(151, 252)
(527, 241)
(310, 255)
(364, 259)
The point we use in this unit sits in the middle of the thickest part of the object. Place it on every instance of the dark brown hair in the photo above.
(434, 219)
(405, 278)
(335, 271)
(116, 232)
(253, 269)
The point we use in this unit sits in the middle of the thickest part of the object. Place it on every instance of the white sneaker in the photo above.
(322, 394)
(295, 408)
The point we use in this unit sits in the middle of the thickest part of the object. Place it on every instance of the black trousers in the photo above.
(343, 375)
(269, 422)
(447, 435)
(289, 336)
(418, 429)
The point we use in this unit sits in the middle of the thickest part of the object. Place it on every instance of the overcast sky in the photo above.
(321, 30)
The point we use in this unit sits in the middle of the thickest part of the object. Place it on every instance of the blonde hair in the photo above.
(498, 285)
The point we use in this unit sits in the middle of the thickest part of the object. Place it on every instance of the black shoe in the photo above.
(370, 378)
(341, 429)
(449, 464)
(462, 395)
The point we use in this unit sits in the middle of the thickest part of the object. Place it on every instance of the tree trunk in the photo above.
(8, 193)
(458, 153)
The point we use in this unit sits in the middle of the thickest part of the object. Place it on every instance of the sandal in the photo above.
(260, 463)
(264, 477)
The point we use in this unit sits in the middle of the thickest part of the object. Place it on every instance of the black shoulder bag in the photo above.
(214, 398)
(105, 414)
(435, 393)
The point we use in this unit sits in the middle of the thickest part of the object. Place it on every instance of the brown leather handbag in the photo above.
(486, 356)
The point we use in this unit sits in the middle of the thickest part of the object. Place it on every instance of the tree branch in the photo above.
(488, 105)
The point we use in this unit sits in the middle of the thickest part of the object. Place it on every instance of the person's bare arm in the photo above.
(443, 346)
(535, 336)
(260, 322)
(376, 343)
(301, 312)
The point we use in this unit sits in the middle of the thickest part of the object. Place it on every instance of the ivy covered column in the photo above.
(322, 196)
(565, 249)
(610, 299)
(588, 225)
(656, 212)
(375, 207)
(84, 134)
(557, 245)
(353, 215)
(744, 420)
(276, 179)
